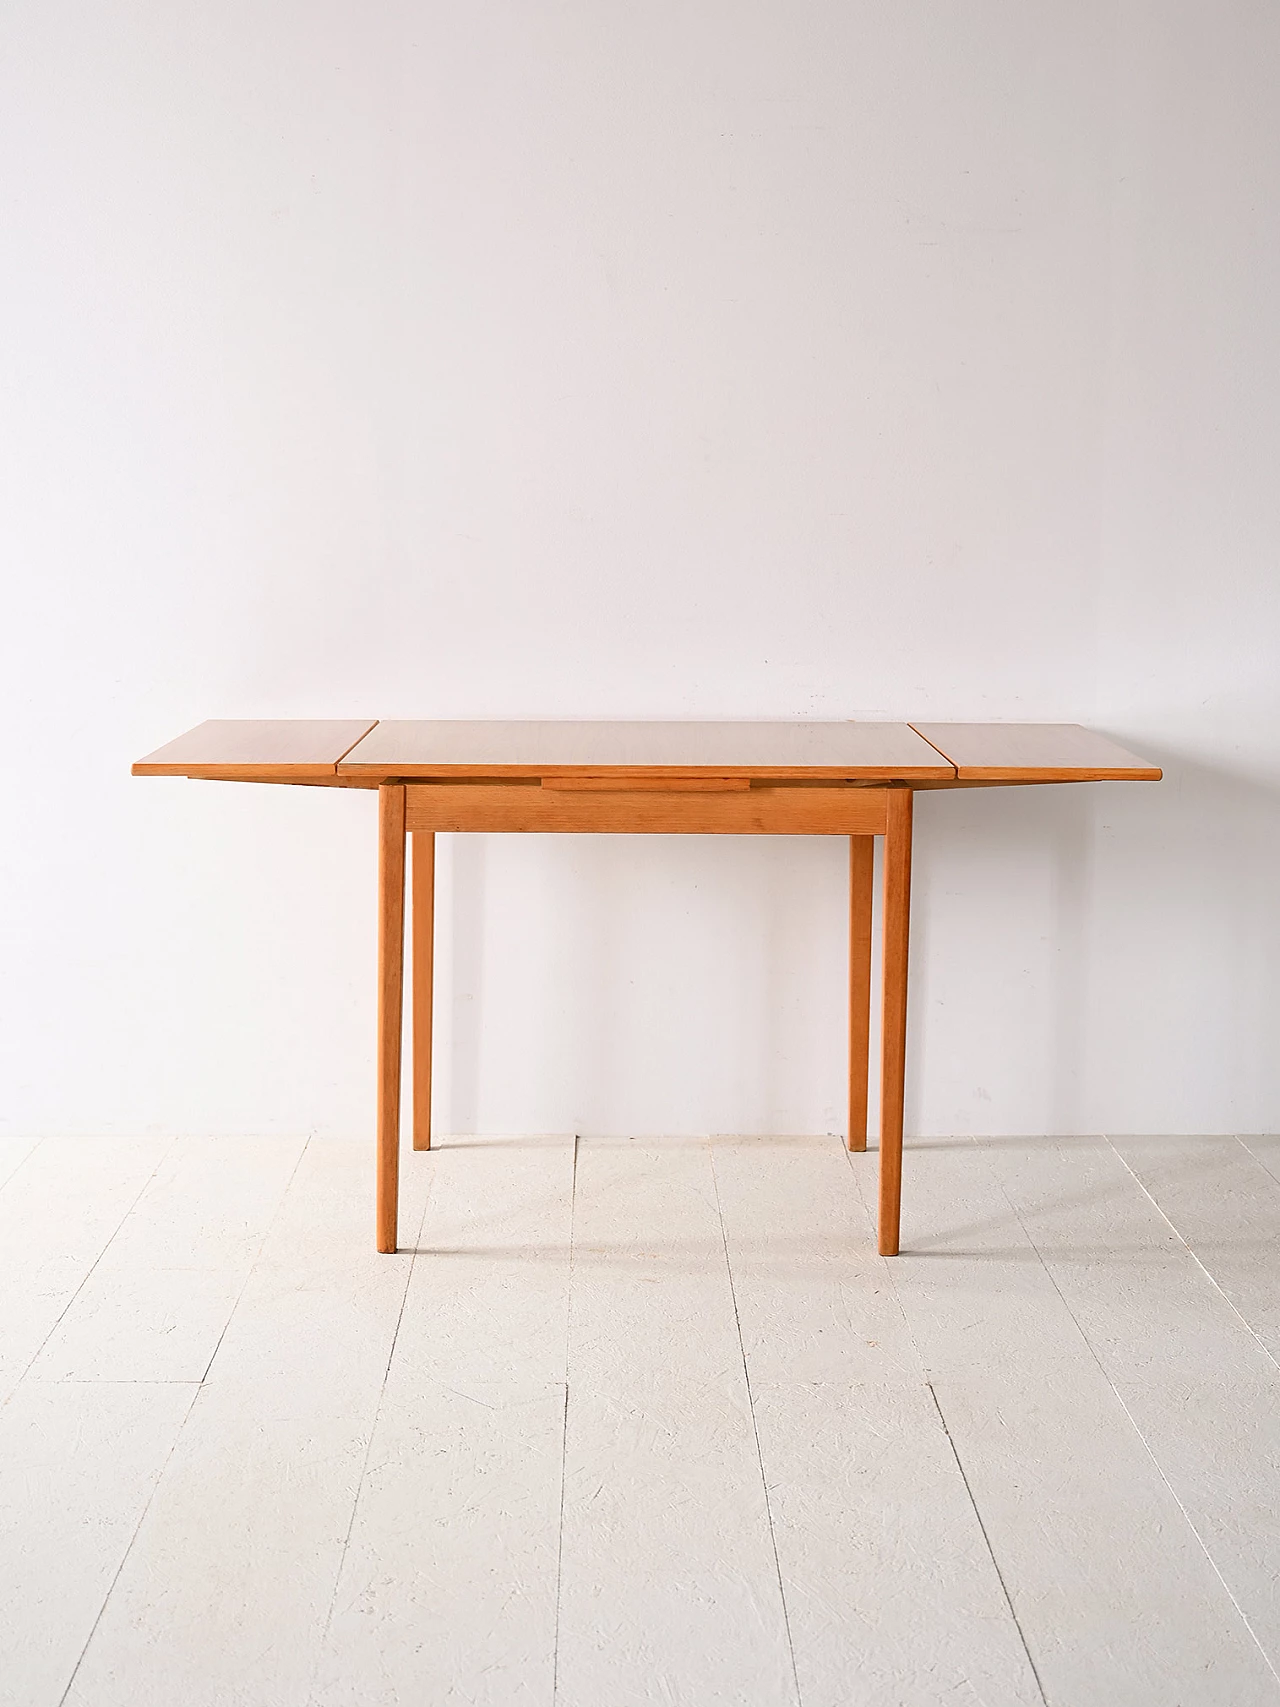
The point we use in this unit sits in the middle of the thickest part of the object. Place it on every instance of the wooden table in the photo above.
(785, 779)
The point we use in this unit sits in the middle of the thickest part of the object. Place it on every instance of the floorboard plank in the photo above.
(78, 1463)
(1226, 1205)
(13, 1152)
(156, 1304)
(669, 1584)
(226, 1590)
(1198, 1383)
(1112, 1589)
(1265, 1148)
(655, 1439)
(59, 1211)
(448, 1585)
(892, 1596)
(814, 1300)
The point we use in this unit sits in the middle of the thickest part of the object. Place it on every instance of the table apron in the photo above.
(761, 810)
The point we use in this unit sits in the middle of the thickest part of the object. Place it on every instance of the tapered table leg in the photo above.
(423, 936)
(862, 851)
(390, 1004)
(897, 913)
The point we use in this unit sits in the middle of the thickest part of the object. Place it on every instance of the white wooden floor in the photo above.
(640, 1422)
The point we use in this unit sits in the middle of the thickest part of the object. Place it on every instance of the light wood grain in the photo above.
(658, 784)
(362, 753)
(391, 838)
(272, 750)
(295, 776)
(870, 751)
(862, 851)
(1034, 752)
(893, 1059)
(758, 811)
(423, 937)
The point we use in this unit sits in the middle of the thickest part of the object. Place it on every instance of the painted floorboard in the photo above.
(558, 1494)
(892, 1596)
(1226, 1205)
(1199, 1386)
(814, 1300)
(1266, 1149)
(1112, 1589)
(224, 1599)
(669, 1584)
(156, 1304)
(448, 1585)
(78, 1462)
(59, 1210)
(13, 1152)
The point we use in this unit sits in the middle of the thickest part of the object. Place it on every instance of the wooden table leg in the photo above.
(390, 1004)
(423, 932)
(862, 850)
(897, 913)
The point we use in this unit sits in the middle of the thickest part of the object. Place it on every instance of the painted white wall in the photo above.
(592, 359)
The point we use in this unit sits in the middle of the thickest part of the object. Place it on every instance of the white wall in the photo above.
(592, 359)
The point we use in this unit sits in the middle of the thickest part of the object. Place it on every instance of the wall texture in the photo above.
(580, 358)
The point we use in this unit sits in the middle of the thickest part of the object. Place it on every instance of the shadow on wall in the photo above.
(1097, 957)
(1091, 957)
(1205, 916)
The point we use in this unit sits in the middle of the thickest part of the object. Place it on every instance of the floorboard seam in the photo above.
(1249, 1150)
(886, 1264)
(21, 1162)
(197, 1385)
(124, 1557)
(755, 1431)
(1133, 1423)
(564, 1435)
(1191, 1252)
(257, 1256)
(84, 1280)
(368, 1447)
(986, 1540)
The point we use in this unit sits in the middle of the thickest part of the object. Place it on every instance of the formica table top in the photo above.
(364, 752)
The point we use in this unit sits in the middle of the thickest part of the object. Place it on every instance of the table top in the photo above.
(871, 752)
(282, 751)
(1034, 752)
(364, 752)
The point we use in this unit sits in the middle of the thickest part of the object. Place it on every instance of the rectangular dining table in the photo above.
(853, 779)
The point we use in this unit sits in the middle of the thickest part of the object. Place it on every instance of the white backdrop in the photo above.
(595, 359)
